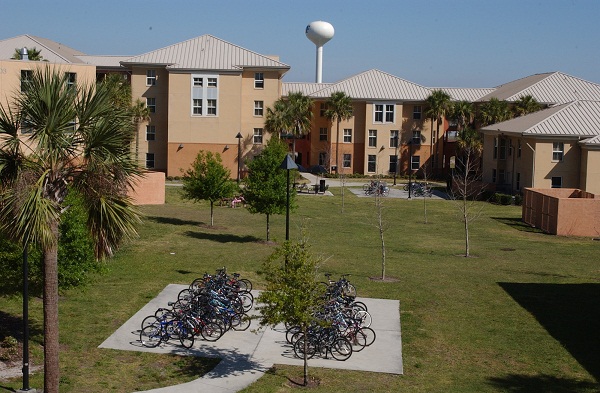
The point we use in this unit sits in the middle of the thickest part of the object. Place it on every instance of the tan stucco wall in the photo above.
(590, 171)
(568, 168)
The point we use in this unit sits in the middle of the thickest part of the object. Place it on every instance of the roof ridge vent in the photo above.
(24, 54)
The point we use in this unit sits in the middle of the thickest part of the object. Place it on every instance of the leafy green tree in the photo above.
(209, 180)
(290, 115)
(77, 139)
(462, 112)
(339, 107)
(526, 104)
(265, 188)
(292, 294)
(494, 111)
(438, 106)
(33, 54)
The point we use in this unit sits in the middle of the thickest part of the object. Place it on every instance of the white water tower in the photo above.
(319, 33)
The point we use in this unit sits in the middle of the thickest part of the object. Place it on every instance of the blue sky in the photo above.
(437, 43)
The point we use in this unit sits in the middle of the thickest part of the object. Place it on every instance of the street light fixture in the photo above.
(410, 154)
(239, 138)
(288, 164)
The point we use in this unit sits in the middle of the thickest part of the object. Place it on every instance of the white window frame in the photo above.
(416, 137)
(323, 132)
(386, 111)
(71, 80)
(150, 77)
(417, 112)
(26, 76)
(150, 133)
(151, 104)
(204, 87)
(394, 138)
(558, 151)
(372, 138)
(257, 137)
(556, 185)
(393, 163)
(347, 160)
(415, 163)
(258, 108)
(259, 80)
(150, 161)
(372, 160)
(347, 135)
(322, 158)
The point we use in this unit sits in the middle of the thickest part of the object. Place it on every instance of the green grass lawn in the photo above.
(520, 315)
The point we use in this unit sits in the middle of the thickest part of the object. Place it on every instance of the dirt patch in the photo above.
(298, 382)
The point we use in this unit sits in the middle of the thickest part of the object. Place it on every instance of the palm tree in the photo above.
(526, 104)
(33, 54)
(339, 107)
(139, 113)
(438, 103)
(462, 111)
(494, 111)
(292, 115)
(78, 142)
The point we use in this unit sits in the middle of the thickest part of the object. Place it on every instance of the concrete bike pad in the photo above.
(258, 348)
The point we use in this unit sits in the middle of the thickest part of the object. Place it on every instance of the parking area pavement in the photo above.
(247, 355)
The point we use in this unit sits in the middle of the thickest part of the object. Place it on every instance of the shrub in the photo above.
(502, 199)
(518, 199)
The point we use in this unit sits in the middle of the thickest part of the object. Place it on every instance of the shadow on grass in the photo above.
(517, 224)
(11, 325)
(541, 384)
(569, 312)
(222, 237)
(174, 221)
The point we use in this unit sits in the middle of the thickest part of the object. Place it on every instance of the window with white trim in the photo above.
(258, 108)
(26, 77)
(384, 113)
(259, 80)
(556, 182)
(322, 109)
(151, 104)
(493, 176)
(558, 151)
(205, 95)
(322, 158)
(197, 106)
(519, 150)
(502, 149)
(372, 138)
(149, 160)
(416, 138)
(417, 112)
(495, 147)
(394, 137)
(71, 80)
(371, 163)
(393, 162)
(150, 133)
(150, 77)
(415, 163)
(323, 133)
(257, 138)
(347, 135)
(347, 161)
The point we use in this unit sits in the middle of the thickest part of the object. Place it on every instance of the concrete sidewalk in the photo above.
(247, 355)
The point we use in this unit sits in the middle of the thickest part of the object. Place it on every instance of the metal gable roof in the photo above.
(206, 52)
(376, 85)
(51, 51)
(465, 94)
(304, 88)
(548, 88)
(576, 118)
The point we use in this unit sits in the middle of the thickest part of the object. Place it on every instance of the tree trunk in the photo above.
(50, 302)
(304, 332)
(268, 229)
(212, 222)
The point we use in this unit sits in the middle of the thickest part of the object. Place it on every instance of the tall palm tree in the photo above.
(33, 54)
(438, 103)
(78, 141)
(463, 112)
(292, 115)
(526, 104)
(339, 107)
(139, 113)
(494, 111)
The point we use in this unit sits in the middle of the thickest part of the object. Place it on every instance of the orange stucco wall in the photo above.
(149, 189)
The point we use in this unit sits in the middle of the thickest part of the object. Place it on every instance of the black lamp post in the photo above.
(239, 138)
(396, 155)
(410, 154)
(288, 164)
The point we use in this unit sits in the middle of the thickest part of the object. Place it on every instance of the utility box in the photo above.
(322, 185)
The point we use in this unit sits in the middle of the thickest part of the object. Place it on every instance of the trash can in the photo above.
(322, 185)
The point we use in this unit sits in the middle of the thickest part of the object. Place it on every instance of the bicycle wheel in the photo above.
(211, 331)
(341, 349)
(369, 335)
(364, 317)
(349, 290)
(289, 333)
(151, 336)
(185, 297)
(247, 300)
(185, 333)
(245, 284)
(299, 348)
(358, 306)
(240, 322)
(358, 340)
(148, 321)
